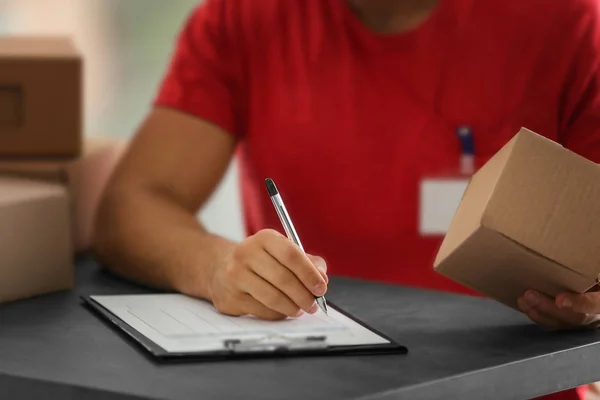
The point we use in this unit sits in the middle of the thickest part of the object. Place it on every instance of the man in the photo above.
(346, 105)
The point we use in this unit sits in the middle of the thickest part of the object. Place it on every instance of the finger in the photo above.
(587, 303)
(544, 320)
(325, 277)
(321, 265)
(523, 305)
(253, 307)
(318, 262)
(545, 305)
(268, 295)
(293, 258)
(535, 315)
(271, 270)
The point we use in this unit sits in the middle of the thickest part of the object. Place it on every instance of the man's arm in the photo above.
(147, 228)
(146, 224)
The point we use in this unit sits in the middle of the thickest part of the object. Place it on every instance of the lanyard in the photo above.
(467, 158)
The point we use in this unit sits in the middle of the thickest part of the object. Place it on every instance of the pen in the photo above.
(288, 227)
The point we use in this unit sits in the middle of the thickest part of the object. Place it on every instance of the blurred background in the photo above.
(126, 45)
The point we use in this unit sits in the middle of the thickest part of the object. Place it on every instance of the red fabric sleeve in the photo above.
(203, 77)
(580, 106)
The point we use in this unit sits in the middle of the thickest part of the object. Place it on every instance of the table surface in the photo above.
(53, 347)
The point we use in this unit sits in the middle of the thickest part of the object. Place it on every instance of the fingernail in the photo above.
(532, 298)
(319, 290)
(320, 263)
(314, 308)
(567, 303)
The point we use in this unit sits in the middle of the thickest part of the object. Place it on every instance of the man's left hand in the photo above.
(567, 311)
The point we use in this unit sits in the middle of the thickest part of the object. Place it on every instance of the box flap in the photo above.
(547, 200)
(37, 47)
(468, 216)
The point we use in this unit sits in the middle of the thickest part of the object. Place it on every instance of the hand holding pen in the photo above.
(267, 276)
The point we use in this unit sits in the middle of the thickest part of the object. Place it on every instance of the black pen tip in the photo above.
(271, 188)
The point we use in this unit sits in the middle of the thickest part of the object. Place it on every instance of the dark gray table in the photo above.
(460, 347)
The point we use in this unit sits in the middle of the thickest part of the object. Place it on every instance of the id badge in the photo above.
(440, 195)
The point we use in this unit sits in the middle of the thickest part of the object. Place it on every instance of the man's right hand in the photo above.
(269, 277)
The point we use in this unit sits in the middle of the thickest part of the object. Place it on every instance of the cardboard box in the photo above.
(40, 97)
(36, 255)
(85, 177)
(529, 219)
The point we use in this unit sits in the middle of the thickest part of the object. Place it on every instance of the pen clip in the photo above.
(275, 343)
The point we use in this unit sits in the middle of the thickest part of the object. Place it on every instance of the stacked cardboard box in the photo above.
(35, 239)
(85, 178)
(50, 178)
(40, 98)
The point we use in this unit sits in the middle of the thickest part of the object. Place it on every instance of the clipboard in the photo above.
(265, 346)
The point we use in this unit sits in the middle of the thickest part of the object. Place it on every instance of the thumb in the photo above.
(321, 265)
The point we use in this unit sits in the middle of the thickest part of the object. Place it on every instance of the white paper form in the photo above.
(181, 324)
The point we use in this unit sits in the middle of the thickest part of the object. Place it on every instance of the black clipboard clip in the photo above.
(276, 343)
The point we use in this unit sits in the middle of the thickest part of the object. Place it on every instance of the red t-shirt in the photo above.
(347, 121)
